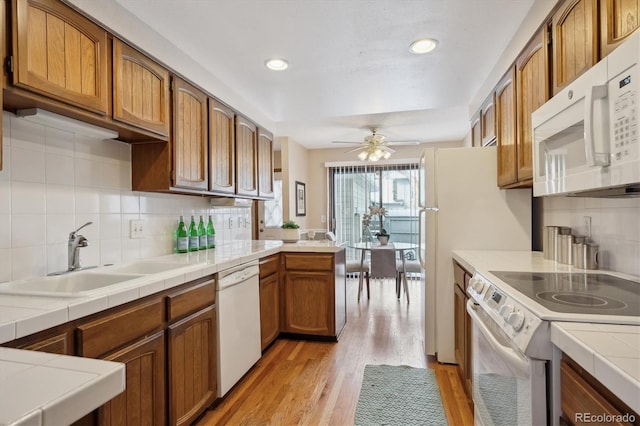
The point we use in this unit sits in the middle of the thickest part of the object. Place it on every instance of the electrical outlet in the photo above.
(587, 225)
(136, 228)
(323, 219)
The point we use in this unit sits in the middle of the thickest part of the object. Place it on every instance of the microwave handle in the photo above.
(593, 158)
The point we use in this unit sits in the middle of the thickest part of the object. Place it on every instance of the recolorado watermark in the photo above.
(604, 418)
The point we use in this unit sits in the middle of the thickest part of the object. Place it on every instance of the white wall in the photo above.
(54, 181)
(294, 159)
(615, 227)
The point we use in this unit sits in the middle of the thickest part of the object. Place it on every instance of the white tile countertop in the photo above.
(78, 385)
(609, 352)
(37, 388)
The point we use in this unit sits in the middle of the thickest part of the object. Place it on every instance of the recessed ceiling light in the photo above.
(424, 45)
(277, 64)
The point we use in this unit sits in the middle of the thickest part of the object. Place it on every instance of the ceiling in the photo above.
(349, 63)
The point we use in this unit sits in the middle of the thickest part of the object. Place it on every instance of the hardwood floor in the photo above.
(318, 383)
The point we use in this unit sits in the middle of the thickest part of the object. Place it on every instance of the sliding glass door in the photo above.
(354, 189)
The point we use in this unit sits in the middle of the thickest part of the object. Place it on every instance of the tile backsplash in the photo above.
(615, 227)
(53, 181)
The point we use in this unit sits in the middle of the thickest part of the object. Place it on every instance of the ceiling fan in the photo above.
(376, 146)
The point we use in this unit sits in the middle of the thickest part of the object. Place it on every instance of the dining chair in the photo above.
(383, 262)
(353, 267)
(412, 267)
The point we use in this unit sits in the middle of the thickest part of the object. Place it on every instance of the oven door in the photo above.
(508, 387)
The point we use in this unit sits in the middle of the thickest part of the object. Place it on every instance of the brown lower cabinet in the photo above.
(192, 366)
(462, 327)
(314, 299)
(142, 402)
(269, 300)
(581, 394)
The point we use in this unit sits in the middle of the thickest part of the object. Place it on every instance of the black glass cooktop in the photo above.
(577, 293)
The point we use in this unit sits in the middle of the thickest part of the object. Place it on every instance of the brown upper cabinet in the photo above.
(506, 128)
(60, 54)
(265, 164)
(3, 54)
(488, 120)
(532, 84)
(575, 40)
(222, 148)
(618, 20)
(476, 131)
(190, 139)
(140, 90)
(246, 157)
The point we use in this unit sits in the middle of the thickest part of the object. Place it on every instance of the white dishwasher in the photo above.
(238, 308)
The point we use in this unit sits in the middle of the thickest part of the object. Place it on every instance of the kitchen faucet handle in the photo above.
(73, 233)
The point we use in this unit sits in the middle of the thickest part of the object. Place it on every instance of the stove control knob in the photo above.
(505, 311)
(516, 319)
(476, 284)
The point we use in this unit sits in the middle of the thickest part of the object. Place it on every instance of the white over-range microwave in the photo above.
(586, 138)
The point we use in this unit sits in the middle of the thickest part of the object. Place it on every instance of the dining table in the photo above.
(400, 247)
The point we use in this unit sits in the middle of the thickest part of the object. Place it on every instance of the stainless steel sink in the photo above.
(75, 284)
(145, 267)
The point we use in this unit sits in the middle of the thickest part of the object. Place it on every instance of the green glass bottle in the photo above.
(182, 236)
(211, 234)
(194, 240)
(202, 235)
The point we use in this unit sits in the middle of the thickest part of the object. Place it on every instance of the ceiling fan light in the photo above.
(363, 155)
(386, 155)
(276, 64)
(422, 46)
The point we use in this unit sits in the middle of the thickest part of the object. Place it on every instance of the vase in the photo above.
(384, 239)
(290, 235)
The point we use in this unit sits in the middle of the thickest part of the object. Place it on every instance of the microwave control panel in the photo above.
(624, 94)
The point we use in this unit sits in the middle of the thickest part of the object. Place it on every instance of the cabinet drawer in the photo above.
(308, 262)
(111, 331)
(268, 265)
(191, 299)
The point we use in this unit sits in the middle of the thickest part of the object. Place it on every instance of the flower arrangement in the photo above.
(289, 224)
(373, 211)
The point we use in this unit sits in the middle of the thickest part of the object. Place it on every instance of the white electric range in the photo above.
(515, 363)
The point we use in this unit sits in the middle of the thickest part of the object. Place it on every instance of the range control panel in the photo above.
(516, 321)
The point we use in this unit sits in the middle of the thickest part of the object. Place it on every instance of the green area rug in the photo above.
(399, 395)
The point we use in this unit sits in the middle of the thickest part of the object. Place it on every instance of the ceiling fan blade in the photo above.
(407, 142)
(360, 148)
(386, 148)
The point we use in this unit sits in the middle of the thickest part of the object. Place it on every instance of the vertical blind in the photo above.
(354, 188)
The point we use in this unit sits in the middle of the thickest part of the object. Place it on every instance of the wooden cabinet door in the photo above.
(265, 164)
(308, 303)
(618, 20)
(60, 54)
(532, 83)
(222, 148)
(269, 309)
(506, 124)
(575, 40)
(192, 366)
(476, 131)
(190, 138)
(459, 311)
(143, 401)
(140, 90)
(246, 157)
(488, 120)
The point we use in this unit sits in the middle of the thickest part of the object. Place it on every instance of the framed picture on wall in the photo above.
(301, 199)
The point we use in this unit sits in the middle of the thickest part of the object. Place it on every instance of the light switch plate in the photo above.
(136, 228)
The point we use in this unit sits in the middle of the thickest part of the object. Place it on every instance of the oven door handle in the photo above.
(506, 352)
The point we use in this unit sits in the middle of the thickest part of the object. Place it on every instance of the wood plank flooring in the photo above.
(318, 383)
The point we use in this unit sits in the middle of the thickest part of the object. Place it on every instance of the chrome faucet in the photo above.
(75, 242)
